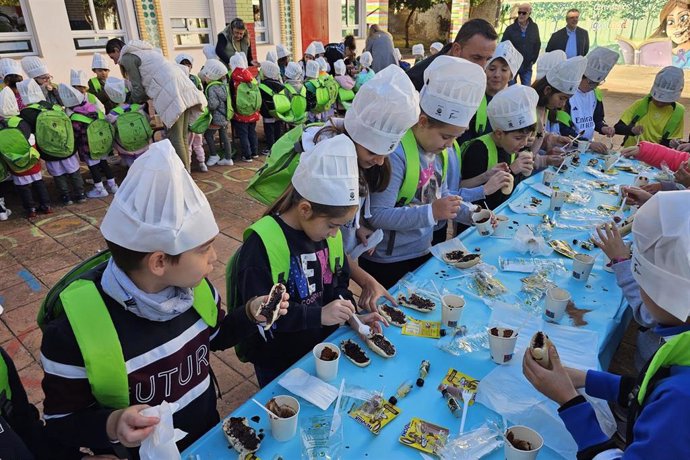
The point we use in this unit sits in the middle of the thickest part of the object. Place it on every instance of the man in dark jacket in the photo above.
(571, 39)
(475, 41)
(524, 35)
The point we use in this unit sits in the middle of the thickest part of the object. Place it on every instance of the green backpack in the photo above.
(77, 297)
(332, 86)
(271, 180)
(278, 253)
(54, 132)
(248, 99)
(298, 104)
(99, 134)
(15, 149)
(281, 103)
(4, 173)
(345, 97)
(323, 97)
(132, 130)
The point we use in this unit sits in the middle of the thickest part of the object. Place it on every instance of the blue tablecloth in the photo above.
(609, 318)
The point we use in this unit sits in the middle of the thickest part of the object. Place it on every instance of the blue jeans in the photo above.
(525, 76)
(249, 145)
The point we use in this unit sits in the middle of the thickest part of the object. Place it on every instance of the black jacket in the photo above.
(559, 40)
(416, 73)
(528, 46)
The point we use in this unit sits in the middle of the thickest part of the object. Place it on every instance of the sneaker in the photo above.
(82, 198)
(4, 212)
(111, 186)
(31, 213)
(66, 200)
(212, 160)
(255, 155)
(97, 192)
(247, 160)
(226, 162)
(266, 152)
(45, 209)
(203, 167)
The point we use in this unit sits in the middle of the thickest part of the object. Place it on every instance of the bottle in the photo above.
(452, 403)
(401, 392)
(423, 372)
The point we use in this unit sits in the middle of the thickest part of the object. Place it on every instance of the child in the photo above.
(29, 181)
(658, 401)
(435, 47)
(272, 81)
(75, 105)
(162, 310)
(418, 52)
(586, 108)
(11, 73)
(513, 118)
(77, 78)
(657, 117)
(323, 195)
(309, 55)
(271, 56)
(311, 85)
(245, 124)
(133, 132)
(214, 75)
(188, 61)
(101, 67)
(366, 73)
(63, 166)
(35, 68)
(283, 58)
(407, 214)
(403, 65)
(319, 49)
(345, 93)
(195, 140)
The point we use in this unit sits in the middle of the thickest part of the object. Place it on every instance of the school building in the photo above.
(66, 33)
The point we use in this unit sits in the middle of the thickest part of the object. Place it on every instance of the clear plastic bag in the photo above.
(318, 442)
(529, 264)
(526, 241)
(460, 342)
(474, 444)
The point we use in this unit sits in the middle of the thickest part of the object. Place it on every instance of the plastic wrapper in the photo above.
(460, 342)
(665, 175)
(526, 241)
(588, 217)
(319, 442)
(474, 444)
(162, 442)
(529, 265)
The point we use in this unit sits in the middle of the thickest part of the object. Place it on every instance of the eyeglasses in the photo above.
(523, 13)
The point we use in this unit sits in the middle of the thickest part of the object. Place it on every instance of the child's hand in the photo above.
(523, 164)
(608, 131)
(337, 312)
(129, 427)
(682, 176)
(446, 208)
(553, 383)
(639, 196)
(372, 291)
(373, 320)
(363, 233)
(611, 242)
(630, 152)
(577, 376)
(637, 130)
(684, 147)
(598, 147)
(496, 182)
(255, 307)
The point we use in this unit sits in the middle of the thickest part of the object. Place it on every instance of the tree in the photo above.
(412, 6)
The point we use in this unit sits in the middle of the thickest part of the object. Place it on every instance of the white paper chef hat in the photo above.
(282, 51)
(270, 70)
(366, 59)
(438, 46)
(548, 61)
(78, 78)
(328, 174)
(453, 89)
(271, 56)
(311, 50)
(98, 61)
(8, 103)
(158, 207)
(506, 51)
(668, 84)
(184, 56)
(34, 66)
(318, 47)
(30, 92)
(115, 89)
(418, 49)
(600, 61)
(70, 96)
(340, 67)
(513, 108)
(294, 71)
(313, 69)
(398, 54)
(209, 51)
(566, 76)
(213, 70)
(323, 64)
(384, 109)
(9, 67)
(236, 61)
(661, 251)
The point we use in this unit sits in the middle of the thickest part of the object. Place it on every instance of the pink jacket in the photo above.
(655, 154)
(345, 81)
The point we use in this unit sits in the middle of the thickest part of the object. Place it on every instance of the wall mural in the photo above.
(644, 32)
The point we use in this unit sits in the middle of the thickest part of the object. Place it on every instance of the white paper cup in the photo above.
(548, 178)
(525, 153)
(582, 146)
(484, 228)
(525, 434)
(501, 229)
(283, 429)
(502, 348)
(326, 370)
(452, 306)
(557, 199)
(640, 180)
(582, 266)
(556, 302)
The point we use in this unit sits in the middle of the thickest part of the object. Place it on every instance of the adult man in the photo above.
(234, 39)
(475, 41)
(572, 39)
(524, 35)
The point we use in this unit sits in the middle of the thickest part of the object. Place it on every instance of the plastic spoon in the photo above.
(335, 421)
(270, 414)
(361, 327)
(466, 396)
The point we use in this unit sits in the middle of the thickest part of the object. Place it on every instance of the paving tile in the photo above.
(31, 249)
(88, 233)
(24, 235)
(236, 397)
(16, 223)
(22, 320)
(227, 377)
(230, 358)
(50, 279)
(32, 342)
(52, 262)
(7, 260)
(63, 226)
(10, 276)
(31, 377)
(21, 357)
(89, 248)
(225, 247)
(5, 333)
(22, 293)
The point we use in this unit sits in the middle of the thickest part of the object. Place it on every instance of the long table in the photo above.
(608, 320)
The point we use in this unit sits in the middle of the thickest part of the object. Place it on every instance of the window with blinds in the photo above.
(190, 21)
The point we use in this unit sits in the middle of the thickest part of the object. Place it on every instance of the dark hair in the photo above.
(237, 23)
(540, 86)
(12, 79)
(433, 122)
(114, 44)
(291, 198)
(474, 27)
(349, 42)
(572, 10)
(285, 60)
(186, 62)
(526, 130)
(129, 260)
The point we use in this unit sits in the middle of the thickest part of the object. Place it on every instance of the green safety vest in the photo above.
(411, 178)
(96, 84)
(492, 151)
(481, 118)
(598, 94)
(640, 109)
(5, 380)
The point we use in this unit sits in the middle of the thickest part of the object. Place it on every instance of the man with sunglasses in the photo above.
(524, 35)
(572, 39)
